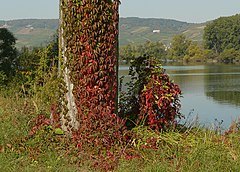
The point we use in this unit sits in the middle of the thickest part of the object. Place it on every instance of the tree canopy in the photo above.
(223, 33)
(8, 52)
(151, 49)
(179, 46)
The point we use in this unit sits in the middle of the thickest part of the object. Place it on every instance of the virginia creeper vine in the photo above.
(90, 32)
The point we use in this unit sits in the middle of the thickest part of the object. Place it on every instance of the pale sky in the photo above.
(195, 11)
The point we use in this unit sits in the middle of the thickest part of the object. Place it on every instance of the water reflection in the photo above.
(224, 88)
(212, 90)
(225, 97)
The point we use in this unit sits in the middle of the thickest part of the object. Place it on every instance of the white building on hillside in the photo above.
(156, 31)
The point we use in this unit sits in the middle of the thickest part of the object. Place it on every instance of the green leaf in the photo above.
(145, 88)
(58, 131)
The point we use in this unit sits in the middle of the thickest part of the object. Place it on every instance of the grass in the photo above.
(196, 149)
(189, 151)
(15, 152)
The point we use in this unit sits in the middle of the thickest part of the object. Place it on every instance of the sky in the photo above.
(194, 11)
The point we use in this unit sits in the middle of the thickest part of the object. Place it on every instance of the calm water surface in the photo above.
(210, 92)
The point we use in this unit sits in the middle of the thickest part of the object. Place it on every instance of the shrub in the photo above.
(152, 98)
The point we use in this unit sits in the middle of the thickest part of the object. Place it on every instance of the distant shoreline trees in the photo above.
(223, 36)
(180, 49)
(221, 43)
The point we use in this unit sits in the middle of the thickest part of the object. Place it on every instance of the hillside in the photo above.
(139, 30)
(31, 32)
(37, 32)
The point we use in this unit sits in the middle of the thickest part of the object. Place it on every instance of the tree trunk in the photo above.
(88, 45)
(69, 110)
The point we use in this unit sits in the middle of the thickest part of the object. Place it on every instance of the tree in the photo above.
(88, 40)
(35, 63)
(155, 50)
(152, 49)
(229, 55)
(26, 60)
(223, 33)
(8, 52)
(194, 52)
(179, 46)
(127, 53)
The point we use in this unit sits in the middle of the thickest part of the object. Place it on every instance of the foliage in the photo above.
(195, 53)
(179, 46)
(223, 33)
(184, 149)
(27, 60)
(8, 52)
(91, 50)
(152, 99)
(127, 53)
(160, 104)
(42, 121)
(210, 54)
(152, 49)
(102, 140)
(229, 55)
(3, 78)
(220, 36)
(36, 76)
(30, 61)
(104, 137)
(193, 149)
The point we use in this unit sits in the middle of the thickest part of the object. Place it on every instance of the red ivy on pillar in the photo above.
(91, 34)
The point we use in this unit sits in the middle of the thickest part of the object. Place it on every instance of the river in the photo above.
(211, 93)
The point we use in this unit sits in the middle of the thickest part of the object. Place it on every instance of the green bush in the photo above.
(152, 98)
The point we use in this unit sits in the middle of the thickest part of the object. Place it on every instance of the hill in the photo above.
(31, 32)
(139, 30)
(37, 32)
